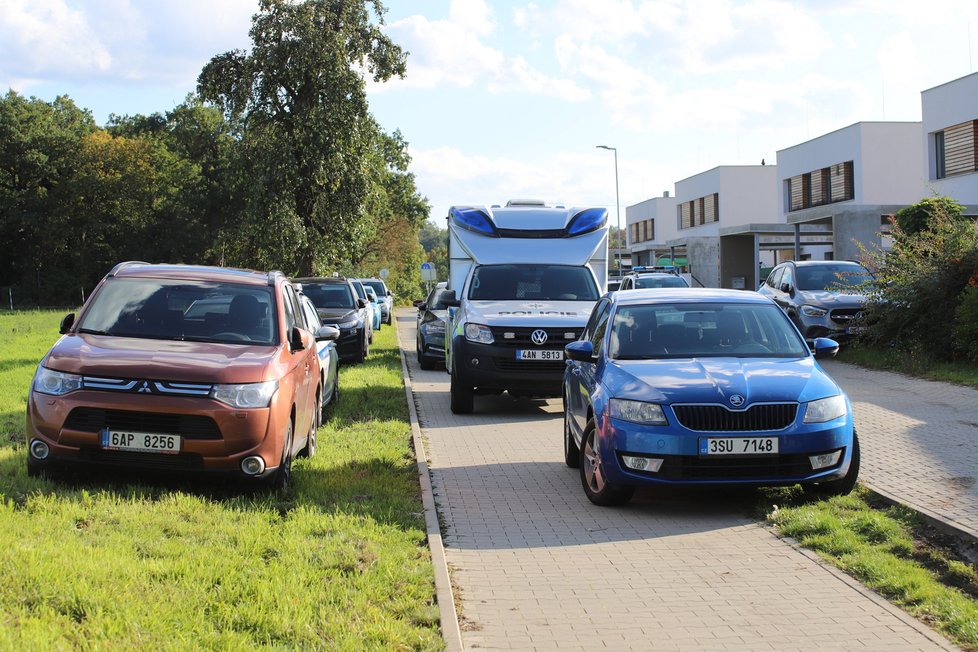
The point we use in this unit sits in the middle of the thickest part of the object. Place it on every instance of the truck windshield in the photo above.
(527, 282)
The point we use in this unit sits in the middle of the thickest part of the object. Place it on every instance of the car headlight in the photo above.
(826, 409)
(434, 327)
(479, 333)
(346, 325)
(55, 383)
(248, 395)
(637, 412)
(813, 311)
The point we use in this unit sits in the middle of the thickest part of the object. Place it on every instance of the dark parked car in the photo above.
(821, 297)
(697, 386)
(432, 320)
(180, 369)
(337, 303)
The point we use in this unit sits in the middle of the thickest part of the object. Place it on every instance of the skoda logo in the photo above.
(539, 336)
(736, 400)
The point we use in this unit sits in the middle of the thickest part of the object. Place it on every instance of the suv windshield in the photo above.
(691, 330)
(830, 277)
(329, 295)
(182, 310)
(532, 282)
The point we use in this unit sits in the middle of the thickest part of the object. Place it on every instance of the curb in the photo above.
(450, 630)
(935, 520)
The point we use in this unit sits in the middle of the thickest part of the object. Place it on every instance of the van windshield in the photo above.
(529, 282)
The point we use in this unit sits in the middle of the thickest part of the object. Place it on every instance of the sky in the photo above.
(509, 99)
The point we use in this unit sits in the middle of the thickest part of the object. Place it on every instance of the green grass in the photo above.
(962, 373)
(339, 563)
(890, 550)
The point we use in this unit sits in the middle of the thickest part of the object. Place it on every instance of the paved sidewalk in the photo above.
(538, 567)
(919, 441)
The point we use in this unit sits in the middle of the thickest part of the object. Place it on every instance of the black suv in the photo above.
(337, 303)
(822, 297)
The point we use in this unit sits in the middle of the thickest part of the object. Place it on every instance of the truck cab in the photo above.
(523, 279)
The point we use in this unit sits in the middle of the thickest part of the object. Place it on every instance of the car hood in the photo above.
(832, 299)
(335, 315)
(128, 357)
(715, 380)
(528, 313)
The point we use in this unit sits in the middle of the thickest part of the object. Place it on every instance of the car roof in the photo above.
(815, 263)
(191, 273)
(655, 275)
(691, 295)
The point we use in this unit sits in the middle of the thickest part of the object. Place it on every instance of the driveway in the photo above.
(537, 566)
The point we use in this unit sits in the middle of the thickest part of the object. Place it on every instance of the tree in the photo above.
(307, 142)
(921, 216)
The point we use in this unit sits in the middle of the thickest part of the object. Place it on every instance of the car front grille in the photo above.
(692, 467)
(717, 418)
(530, 366)
(521, 338)
(188, 426)
(844, 316)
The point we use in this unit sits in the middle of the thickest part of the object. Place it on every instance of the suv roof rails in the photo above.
(662, 269)
(272, 275)
(129, 263)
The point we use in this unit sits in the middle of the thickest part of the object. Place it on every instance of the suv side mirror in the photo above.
(295, 339)
(449, 300)
(67, 323)
(361, 303)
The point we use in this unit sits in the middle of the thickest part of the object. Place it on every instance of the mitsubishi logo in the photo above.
(736, 400)
(539, 337)
(145, 389)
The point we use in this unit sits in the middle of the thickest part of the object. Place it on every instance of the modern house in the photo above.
(950, 133)
(648, 225)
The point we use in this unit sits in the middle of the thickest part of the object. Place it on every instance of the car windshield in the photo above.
(830, 277)
(378, 287)
(663, 281)
(182, 310)
(693, 330)
(532, 282)
(329, 295)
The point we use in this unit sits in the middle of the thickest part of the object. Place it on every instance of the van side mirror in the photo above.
(67, 323)
(449, 299)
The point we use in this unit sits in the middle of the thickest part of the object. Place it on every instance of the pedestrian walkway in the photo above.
(538, 567)
(919, 441)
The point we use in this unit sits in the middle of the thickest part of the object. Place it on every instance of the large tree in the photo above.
(308, 143)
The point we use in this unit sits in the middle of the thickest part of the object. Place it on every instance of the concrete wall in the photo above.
(703, 254)
(737, 262)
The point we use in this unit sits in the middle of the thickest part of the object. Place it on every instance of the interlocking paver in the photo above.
(539, 567)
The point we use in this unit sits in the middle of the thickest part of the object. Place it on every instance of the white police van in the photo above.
(523, 279)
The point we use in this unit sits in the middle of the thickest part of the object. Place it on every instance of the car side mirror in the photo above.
(581, 351)
(67, 323)
(786, 287)
(361, 303)
(389, 293)
(417, 303)
(422, 307)
(295, 339)
(449, 299)
(825, 347)
(327, 334)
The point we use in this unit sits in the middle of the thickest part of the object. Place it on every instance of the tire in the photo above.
(843, 485)
(427, 363)
(362, 352)
(572, 453)
(596, 487)
(463, 398)
(281, 480)
(390, 317)
(309, 449)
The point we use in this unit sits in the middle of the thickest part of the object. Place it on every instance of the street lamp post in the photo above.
(617, 203)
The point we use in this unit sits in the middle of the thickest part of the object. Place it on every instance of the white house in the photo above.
(949, 115)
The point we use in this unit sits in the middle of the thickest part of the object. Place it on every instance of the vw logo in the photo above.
(539, 337)
(736, 400)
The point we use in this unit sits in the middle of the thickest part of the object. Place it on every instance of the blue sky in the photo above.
(508, 99)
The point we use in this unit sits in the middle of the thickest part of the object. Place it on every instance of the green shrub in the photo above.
(966, 322)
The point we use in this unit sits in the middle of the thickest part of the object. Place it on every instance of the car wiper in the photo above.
(92, 331)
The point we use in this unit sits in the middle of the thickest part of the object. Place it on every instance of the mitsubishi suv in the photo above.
(180, 369)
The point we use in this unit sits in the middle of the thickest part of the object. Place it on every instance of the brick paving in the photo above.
(538, 567)
(919, 441)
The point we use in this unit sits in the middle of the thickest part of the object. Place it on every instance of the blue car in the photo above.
(375, 305)
(702, 386)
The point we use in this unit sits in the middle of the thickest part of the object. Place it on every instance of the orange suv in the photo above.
(180, 368)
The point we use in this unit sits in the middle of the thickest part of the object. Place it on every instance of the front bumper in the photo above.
(349, 343)
(495, 367)
(683, 464)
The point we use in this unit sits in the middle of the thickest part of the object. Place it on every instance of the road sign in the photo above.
(428, 272)
(384, 273)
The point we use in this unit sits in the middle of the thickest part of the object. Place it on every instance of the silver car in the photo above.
(385, 295)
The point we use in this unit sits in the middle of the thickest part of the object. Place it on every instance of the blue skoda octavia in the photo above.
(702, 386)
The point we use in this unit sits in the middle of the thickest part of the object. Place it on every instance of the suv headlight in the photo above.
(55, 383)
(248, 395)
(813, 311)
(346, 325)
(479, 333)
(637, 412)
(826, 409)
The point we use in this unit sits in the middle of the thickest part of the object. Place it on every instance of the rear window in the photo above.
(532, 282)
(182, 310)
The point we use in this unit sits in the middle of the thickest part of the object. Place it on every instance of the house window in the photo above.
(822, 186)
(957, 149)
(642, 231)
(699, 211)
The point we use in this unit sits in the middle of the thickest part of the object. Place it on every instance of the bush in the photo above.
(966, 321)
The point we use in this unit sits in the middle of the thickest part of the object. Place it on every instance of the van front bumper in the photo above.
(496, 367)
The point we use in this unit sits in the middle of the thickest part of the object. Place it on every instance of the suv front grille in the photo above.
(521, 337)
(844, 316)
(188, 426)
(717, 418)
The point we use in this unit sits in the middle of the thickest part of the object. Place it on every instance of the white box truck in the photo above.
(523, 279)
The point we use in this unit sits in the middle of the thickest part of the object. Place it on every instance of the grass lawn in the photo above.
(962, 373)
(115, 563)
